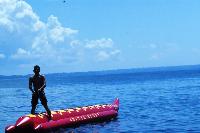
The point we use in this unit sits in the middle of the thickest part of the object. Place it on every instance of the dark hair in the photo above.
(36, 67)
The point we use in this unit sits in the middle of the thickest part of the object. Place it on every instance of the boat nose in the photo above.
(10, 129)
(23, 122)
(116, 104)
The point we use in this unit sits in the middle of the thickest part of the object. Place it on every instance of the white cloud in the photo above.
(2, 56)
(56, 32)
(103, 49)
(42, 42)
(103, 55)
(38, 26)
(75, 43)
(101, 43)
(16, 15)
(115, 52)
(21, 53)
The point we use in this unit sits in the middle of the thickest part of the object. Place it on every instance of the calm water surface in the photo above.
(149, 102)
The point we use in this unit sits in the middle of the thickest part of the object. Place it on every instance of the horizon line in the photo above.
(107, 70)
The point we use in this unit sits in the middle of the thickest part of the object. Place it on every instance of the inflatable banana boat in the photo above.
(64, 118)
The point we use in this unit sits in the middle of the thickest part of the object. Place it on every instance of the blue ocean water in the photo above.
(150, 101)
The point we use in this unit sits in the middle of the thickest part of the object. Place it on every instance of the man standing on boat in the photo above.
(39, 83)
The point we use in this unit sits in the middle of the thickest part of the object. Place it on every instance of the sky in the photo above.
(93, 35)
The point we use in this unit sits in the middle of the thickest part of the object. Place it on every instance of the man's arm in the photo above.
(30, 84)
(44, 85)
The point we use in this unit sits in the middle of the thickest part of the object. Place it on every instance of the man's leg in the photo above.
(34, 103)
(33, 109)
(43, 100)
(47, 109)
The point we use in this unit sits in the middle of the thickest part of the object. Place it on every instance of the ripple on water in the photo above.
(166, 105)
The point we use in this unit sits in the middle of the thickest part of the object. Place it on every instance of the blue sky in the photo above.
(88, 35)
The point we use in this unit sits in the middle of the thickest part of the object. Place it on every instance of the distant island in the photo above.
(136, 70)
(124, 71)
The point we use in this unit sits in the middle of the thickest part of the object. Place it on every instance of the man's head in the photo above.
(36, 69)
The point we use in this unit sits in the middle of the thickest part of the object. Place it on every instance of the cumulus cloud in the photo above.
(17, 15)
(104, 55)
(57, 33)
(50, 41)
(115, 52)
(21, 53)
(102, 49)
(101, 43)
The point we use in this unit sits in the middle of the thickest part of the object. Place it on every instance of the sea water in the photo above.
(160, 101)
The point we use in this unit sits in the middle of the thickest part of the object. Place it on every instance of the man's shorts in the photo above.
(39, 95)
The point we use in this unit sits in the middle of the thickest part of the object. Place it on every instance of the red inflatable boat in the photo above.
(64, 118)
